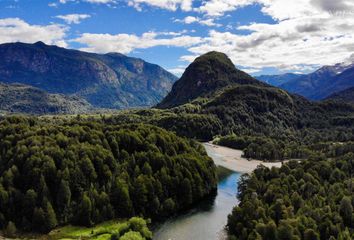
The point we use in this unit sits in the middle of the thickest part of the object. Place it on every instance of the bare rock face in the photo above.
(109, 81)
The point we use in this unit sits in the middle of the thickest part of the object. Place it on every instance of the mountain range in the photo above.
(110, 80)
(317, 85)
(346, 95)
(42, 79)
(277, 80)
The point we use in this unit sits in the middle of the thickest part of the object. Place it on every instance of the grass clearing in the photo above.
(101, 231)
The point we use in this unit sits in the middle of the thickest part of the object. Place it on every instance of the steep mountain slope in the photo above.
(110, 80)
(323, 82)
(208, 73)
(337, 83)
(20, 98)
(228, 101)
(277, 80)
(343, 96)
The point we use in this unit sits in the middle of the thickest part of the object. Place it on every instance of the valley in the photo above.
(85, 170)
(176, 120)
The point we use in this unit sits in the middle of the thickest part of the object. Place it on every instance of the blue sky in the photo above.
(260, 36)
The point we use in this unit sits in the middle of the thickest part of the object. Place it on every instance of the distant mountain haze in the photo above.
(108, 80)
(343, 96)
(323, 82)
(277, 80)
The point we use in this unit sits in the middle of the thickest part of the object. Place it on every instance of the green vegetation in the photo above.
(308, 200)
(110, 81)
(269, 149)
(264, 148)
(206, 75)
(84, 172)
(20, 98)
(111, 230)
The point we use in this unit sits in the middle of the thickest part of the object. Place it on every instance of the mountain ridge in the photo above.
(346, 96)
(109, 80)
(277, 80)
(323, 82)
(244, 106)
(19, 98)
(208, 73)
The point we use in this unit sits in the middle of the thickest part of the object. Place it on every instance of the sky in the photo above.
(260, 36)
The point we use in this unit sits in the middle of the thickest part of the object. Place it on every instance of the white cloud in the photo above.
(251, 70)
(17, 30)
(206, 22)
(99, 1)
(293, 44)
(126, 43)
(178, 71)
(89, 1)
(73, 18)
(307, 33)
(172, 5)
(220, 7)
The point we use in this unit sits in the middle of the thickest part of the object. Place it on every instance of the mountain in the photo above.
(21, 98)
(214, 97)
(343, 96)
(323, 82)
(105, 80)
(337, 83)
(208, 73)
(277, 80)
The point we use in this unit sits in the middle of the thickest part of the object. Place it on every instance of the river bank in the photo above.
(232, 159)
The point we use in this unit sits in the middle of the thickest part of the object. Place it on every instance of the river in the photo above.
(207, 220)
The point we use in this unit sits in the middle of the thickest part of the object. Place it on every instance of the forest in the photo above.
(272, 149)
(311, 200)
(83, 172)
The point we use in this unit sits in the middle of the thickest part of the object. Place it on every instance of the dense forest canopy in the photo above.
(311, 200)
(236, 103)
(84, 172)
(269, 149)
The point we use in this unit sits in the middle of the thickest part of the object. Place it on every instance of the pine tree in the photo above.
(51, 218)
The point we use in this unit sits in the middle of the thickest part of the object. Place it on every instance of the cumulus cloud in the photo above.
(17, 30)
(334, 6)
(306, 34)
(172, 5)
(293, 44)
(220, 7)
(178, 71)
(73, 18)
(89, 1)
(126, 43)
(206, 22)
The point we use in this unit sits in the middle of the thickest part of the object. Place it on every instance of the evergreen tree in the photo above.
(10, 230)
(346, 211)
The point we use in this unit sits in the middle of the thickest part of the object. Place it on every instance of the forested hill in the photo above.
(110, 80)
(311, 200)
(207, 74)
(19, 98)
(84, 172)
(343, 96)
(214, 96)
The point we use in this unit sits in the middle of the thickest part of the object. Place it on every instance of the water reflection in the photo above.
(207, 220)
